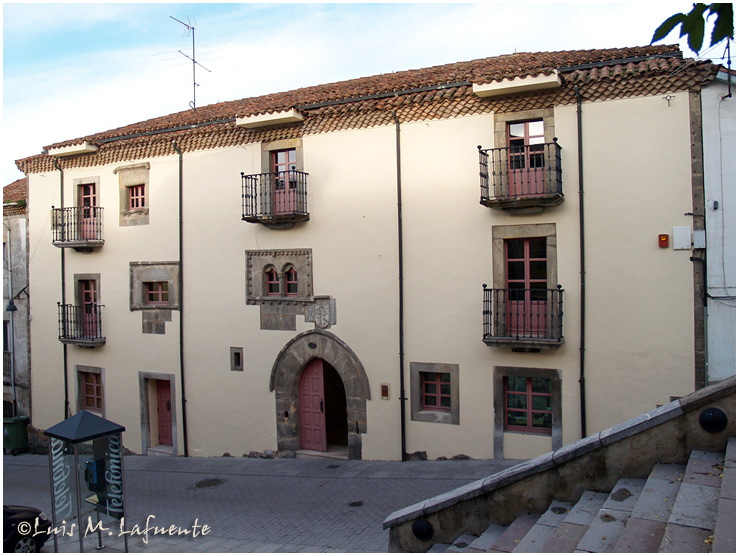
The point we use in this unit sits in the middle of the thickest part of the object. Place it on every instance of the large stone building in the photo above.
(491, 258)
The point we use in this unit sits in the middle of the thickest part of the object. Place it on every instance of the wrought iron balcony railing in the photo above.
(81, 325)
(522, 318)
(520, 177)
(77, 227)
(275, 197)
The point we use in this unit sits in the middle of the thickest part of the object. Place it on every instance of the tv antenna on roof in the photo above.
(188, 28)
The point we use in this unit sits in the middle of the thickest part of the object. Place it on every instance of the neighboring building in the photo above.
(16, 347)
(719, 148)
(305, 270)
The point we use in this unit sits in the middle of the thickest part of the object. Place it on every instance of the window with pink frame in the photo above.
(291, 282)
(92, 391)
(136, 196)
(528, 404)
(156, 293)
(436, 391)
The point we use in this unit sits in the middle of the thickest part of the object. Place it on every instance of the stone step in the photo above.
(693, 516)
(612, 516)
(516, 531)
(724, 535)
(576, 523)
(544, 528)
(438, 547)
(488, 538)
(461, 543)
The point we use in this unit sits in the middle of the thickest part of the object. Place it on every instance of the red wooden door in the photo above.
(164, 412)
(285, 185)
(526, 158)
(88, 202)
(311, 406)
(88, 301)
(526, 283)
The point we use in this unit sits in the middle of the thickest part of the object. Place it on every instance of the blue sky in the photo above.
(74, 69)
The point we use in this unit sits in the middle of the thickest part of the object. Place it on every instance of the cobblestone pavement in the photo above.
(253, 505)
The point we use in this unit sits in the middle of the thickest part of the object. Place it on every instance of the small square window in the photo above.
(237, 359)
(156, 293)
(136, 197)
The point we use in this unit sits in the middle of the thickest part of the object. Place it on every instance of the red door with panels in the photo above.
(526, 158)
(526, 284)
(88, 202)
(164, 412)
(312, 408)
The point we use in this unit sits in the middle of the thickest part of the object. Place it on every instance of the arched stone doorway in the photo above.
(285, 379)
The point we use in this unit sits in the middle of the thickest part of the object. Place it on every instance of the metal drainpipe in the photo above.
(182, 303)
(401, 341)
(583, 420)
(67, 413)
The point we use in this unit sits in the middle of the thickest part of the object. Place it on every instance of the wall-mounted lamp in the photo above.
(11, 306)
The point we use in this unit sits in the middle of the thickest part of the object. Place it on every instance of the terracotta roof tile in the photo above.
(600, 74)
(16, 193)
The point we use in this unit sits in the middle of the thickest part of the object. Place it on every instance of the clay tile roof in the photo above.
(485, 70)
(17, 193)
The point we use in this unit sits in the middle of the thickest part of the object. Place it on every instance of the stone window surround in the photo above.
(78, 294)
(502, 233)
(283, 144)
(154, 271)
(417, 412)
(499, 432)
(236, 365)
(502, 119)
(77, 182)
(78, 370)
(258, 262)
(130, 175)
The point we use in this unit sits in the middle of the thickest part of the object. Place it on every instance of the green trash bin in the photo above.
(15, 436)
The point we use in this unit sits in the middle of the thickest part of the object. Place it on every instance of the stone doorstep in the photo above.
(604, 531)
(515, 532)
(640, 535)
(679, 538)
(438, 547)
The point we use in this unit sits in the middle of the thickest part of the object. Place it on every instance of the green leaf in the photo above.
(668, 25)
(724, 25)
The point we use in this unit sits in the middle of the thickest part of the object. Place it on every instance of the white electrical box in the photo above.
(681, 237)
(699, 239)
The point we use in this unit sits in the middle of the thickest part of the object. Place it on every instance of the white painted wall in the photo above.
(719, 154)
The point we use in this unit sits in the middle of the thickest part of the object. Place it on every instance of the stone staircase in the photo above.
(677, 508)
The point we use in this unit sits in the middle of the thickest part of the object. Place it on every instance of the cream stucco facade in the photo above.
(639, 316)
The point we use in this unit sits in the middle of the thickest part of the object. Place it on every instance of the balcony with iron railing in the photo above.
(80, 228)
(521, 179)
(81, 325)
(523, 318)
(275, 199)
